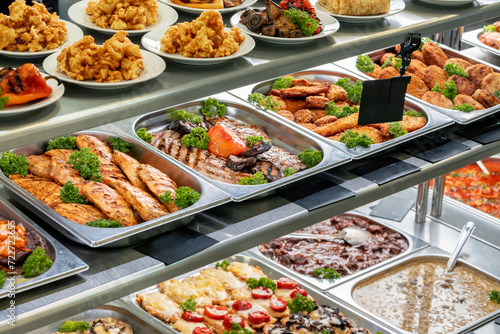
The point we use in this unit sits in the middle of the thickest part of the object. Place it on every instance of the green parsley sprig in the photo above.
(198, 137)
(302, 20)
(3, 101)
(353, 139)
(119, 144)
(70, 194)
(11, 163)
(464, 107)
(212, 107)
(365, 64)
(263, 281)
(189, 304)
(283, 82)
(36, 263)
(185, 196)
(326, 273)
(413, 113)
(87, 163)
(495, 296)
(397, 130)
(144, 135)
(237, 329)
(497, 94)
(449, 90)
(310, 157)
(354, 91)
(455, 69)
(332, 109)
(257, 178)
(106, 223)
(489, 28)
(263, 101)
(395, 62)
(187, 116)
(224, 264)
(3, 277)
(74, 327)
(251, 140)
(63, 143)
(301, 303)
(288, 171)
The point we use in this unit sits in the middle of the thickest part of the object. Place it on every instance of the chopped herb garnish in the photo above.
(212, 107)
(436, 88)
(302, 20)
(454, 68)
(301, 303)
(353, 139)
(198, 137)
(185, 196)
(251, 140)
(87, 163)
(449, 90)
(311, 157)
(119, 144)
(464, 107)
(222, 265)
(257, 178)
(495, 296)
(413, 113)
(36, 263)
(263, 101)
(288, 171)
(353, 90)
(396, 129)
(3, 101)
(187, 116)
(326, 273)
(144, 135)
(100, 222)
(74, 327)
(332, 109)
(189, 305)
(263, 281)
(395, 62)
(365, 64)
(63, 143)
(497, 94)
(283, 82)
(166, 197)
(11, 163)
(70, 194)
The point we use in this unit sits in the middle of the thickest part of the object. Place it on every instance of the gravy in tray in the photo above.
(420, 298)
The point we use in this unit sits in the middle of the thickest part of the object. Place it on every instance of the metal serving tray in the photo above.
(458, 116)
(414, 244)
(65, 263)
(332, 73)
(472, 38)
(344, 291)
(110, 310)
(273, 273)
(115, 237)
(282, 136)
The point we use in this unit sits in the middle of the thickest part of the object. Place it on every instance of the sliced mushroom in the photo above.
(182, 126)
(239, 163)
(259, 147)
(270, 171)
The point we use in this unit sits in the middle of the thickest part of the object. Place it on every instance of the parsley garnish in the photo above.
(70, 194)
(332, 109)
(497, 94)
(326, 273)
(412, 113)
(464, 107)
(236, 329)
(105, 223)
(283, 82)
(187, 116)
(251, 140)
(302, 21)
(65, 143)
(436, 88)
(11, 163)
(301, 303)
(263, 101)
(454, 68)
(119, 144)
(144, 135)
(3, 101)
(37, 263)
(424, 40)
(365, 64)
(222, 265)
(311, 157)
(263, 281)
(353, 139)
(489, 28)
(449, 90)
(288, 171)
(495, 296)
(198, 137)
(257, 178)
(3, 277)
(166, 197)
(87, 163)
(212, 107)
(185, 196)
(396, 129)
(395, 62)
(189, 305)
(74, 326)
(353, 90)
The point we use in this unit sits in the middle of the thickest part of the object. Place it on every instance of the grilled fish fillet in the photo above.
(158, 183)
(62, 154)
(62, 172)
(39, 165)
(42, 188)
(79, 213)
(282, 158)
(110, 202)
(129, 166)
(96, 146)
(146, 205)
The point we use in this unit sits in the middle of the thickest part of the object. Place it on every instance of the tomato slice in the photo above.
(298, 290)
(258, 317)
(261, 292)
(278, 305)
(192, 316)
(216, 312)
(231, 319)
(287, 283)
(224, 142)
(202, 330)
(241, 305)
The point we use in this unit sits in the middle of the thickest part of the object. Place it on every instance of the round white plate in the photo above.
(57, 92)
(152, 42)
(244, 4)
(396, 7)
(73, 34)
(78, 13)
(447, 3)
(330, 26)
(153, 67)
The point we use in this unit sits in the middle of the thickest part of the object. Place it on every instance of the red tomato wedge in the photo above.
(224, 142)
(286, 283)
(241, 305)
(298, 290)
(261, 292)
(202, 330)
(192, 316)
(278, 305)
(216, 312)
(231, 319)
(258, 317)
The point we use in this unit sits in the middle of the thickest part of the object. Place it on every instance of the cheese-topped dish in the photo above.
(357, 7)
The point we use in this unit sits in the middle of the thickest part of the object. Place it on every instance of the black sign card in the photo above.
(384, 170)
(483, 133)
(434, 148)
(383, 100)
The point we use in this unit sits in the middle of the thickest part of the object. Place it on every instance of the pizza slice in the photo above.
(159, 305)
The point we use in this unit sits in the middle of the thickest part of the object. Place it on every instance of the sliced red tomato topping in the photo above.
(216, 312)
(258, 317)
(241, 305)
(231, 319)
(261, 292)
(298, 290)
(287, 283)
(202, 330)
(278, 305)
(192, 316)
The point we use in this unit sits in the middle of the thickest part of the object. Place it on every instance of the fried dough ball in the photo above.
(376, 71)
(416, 87)
(461, 62)
(437, 99)
(388, 73)
(327, 119)
(303, 116)
(286, 114)
(477, 73)
(461, 98)
(464, 86)
(486, 98)
(123, 14)
(417, 67)
(435, 74)
(491, 82)
(336, 93)
(434, 55)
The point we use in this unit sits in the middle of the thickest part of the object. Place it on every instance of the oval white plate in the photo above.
(153, 67)
(57, 92)
(330, 26)
(447, 3)
(152, 42)
(396, 7)
(78, 13)
(73, 34)
(244, 4)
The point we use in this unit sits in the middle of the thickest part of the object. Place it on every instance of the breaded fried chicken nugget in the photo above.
(338, 126)
(491, 82)
(309, 126)
(464, 86)
(336, 93)
(461, 62)
(303, 116)
(388, 73)
(412, 123)
(316, 102)
(434, 55)
(417, 67)
(416, 87)
(376, 71)
(325, 120)
(477, 73)
(435, 74)
(486, 98)
(286, 114)
(317, 114)
(437, 99)
(461, 98)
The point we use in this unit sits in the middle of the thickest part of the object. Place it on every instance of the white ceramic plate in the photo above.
(154, 66)
(472, 37)
(78, 13)
(73, 34)
(244, 4)
(330, 26)
(396, 7)
(447, 3)
(57, 92)
(152, 42)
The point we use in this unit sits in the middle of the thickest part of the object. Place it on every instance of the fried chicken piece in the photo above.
(344, 103)
(461, 98)
(286, 114)
(159, 183)
(437, 99)
(435, 74)
(42, 188)
(486, 98)
(303, 91)
(39, 165)
(491, 82)
(62, 172)
(388, 73)
(327, 119)
(491, 39)
(416, 87)
(338, 126)
(385, 57)
(96, 146)
(317, 114)
(376, 71)
(301, 82)
(461, 62)
(292, 105)
(417, 67)
(464, 86)
(309, 126)
(282, 104)
(317, 102)
(62, 154)
(434, 55)
(129, 166)
(412, 123)
(335, 93)
(79, 213)
(303, 116)
(110, 172)
(477, 73)
(370, 131)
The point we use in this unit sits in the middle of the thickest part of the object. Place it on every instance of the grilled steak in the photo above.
(282, 159)
(239, 129)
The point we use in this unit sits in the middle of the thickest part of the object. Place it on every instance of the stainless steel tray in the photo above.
(110, 310)
(458, 116)
(115, 237)
(414, 244)
(65, 262)
(344, 291)
(273, 273)
(282, 136)
(472, 38)
(332, 73)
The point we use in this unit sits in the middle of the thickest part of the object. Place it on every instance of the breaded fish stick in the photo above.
(340, 125)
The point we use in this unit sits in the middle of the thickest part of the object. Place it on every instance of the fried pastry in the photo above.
(203, 4)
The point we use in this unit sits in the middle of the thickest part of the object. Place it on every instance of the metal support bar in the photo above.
(421, 205)
(437, 196)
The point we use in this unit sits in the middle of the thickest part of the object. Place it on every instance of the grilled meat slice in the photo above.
(270, 171)
(231, 3)
(129, 166)
(62, 172)
(42, 188)
(282, 159)
(158, 183)
(79, 213)
(110, 202)
(146, 205)
(239, 129)
(39, 165)
(158, 139)
(284, 26)
(99, 148)
(62, 154)
(254, 19)
(109, 172)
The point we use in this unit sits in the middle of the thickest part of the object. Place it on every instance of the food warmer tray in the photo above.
(112, 310)
(414, 244)
(116, 237)
(65, 262)
(332, 73)
(293, 140)
(458, 116)
(472, 38)
(344, 291)
(273, 273)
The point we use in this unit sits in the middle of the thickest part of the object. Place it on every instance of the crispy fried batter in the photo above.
(388, 73)
(416, 87)
(309, 126)
(371, 132)
(336, 93)
(318, 102)
(385, 57)
(478, 72)
(418, 55)
(461, 98)
(437, 99)
(317, 114)
(376, 71)
(292, 105)
(412, 123)
(303, 91)
(303, 116)
(461, 62)
(435, 74)
(123, 14)
(491, 82)
(286, 114)
(464, 86)
(417, 67)
(434, 55)
(486, 98)
(325, 120)
(340, 125)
